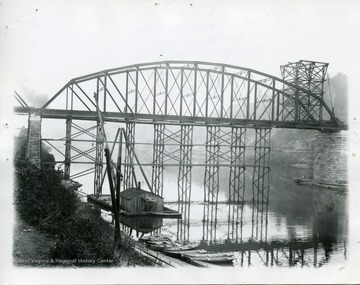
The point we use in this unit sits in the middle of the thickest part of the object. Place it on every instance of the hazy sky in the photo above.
(46, 43)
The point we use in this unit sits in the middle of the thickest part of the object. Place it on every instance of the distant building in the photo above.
(135, 200)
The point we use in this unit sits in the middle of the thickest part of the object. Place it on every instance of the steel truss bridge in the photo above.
(176, 98)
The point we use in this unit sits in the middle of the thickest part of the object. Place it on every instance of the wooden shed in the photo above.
(136, 200)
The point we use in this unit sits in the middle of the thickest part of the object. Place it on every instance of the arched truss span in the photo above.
(192, 93)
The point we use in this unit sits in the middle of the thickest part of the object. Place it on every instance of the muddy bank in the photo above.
(31, 247)
(35, 248)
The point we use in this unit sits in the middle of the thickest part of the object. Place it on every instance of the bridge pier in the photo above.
(33, 148)
(330, 163)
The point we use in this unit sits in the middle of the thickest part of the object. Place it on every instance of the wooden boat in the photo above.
(155, 237)
(158, 246)
(182, 247)
(218, 260)
(164, 243)
(177, 253)
(200, 263)
(207, 254)
(211, 257)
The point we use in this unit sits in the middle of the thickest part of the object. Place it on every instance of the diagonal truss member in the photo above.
(184, 181)
(72, 154)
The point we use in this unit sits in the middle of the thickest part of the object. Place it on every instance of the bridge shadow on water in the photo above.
(298, 226)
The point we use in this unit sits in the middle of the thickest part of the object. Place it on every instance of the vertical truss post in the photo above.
(129, 156)
(158, 159)
(236, 183)
(211, 183)
(67, 149)
(99, 154)
(184, 181)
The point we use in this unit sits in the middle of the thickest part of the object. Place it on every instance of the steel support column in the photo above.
(261, 183)
(237, 167)
(259, 223)
(236, 184)
(261, 174)
(211, 183)
(184, 181)
(99, 154)
(129, 156)
(67, 149)
(158, 159)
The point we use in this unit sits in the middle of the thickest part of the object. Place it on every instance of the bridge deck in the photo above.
(178, 120)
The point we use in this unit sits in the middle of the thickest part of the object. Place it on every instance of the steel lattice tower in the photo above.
(184, 181)
(310, 76)
(211, 182)
(99, 155)
(236, 183)
(237, 165)
(158, 159)
(129, 156)
(67, 160)
(261, 174)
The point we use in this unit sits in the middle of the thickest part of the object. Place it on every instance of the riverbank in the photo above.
(31, 247)
(55, 228)
(35, 248)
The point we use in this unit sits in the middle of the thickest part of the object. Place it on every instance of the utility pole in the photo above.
(115, 195)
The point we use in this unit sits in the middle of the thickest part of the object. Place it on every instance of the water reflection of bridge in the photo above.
(251, 243)
(278, 253)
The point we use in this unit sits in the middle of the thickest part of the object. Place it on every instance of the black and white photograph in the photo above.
(177, 142)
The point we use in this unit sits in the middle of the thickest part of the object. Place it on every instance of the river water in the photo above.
(300, 226)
